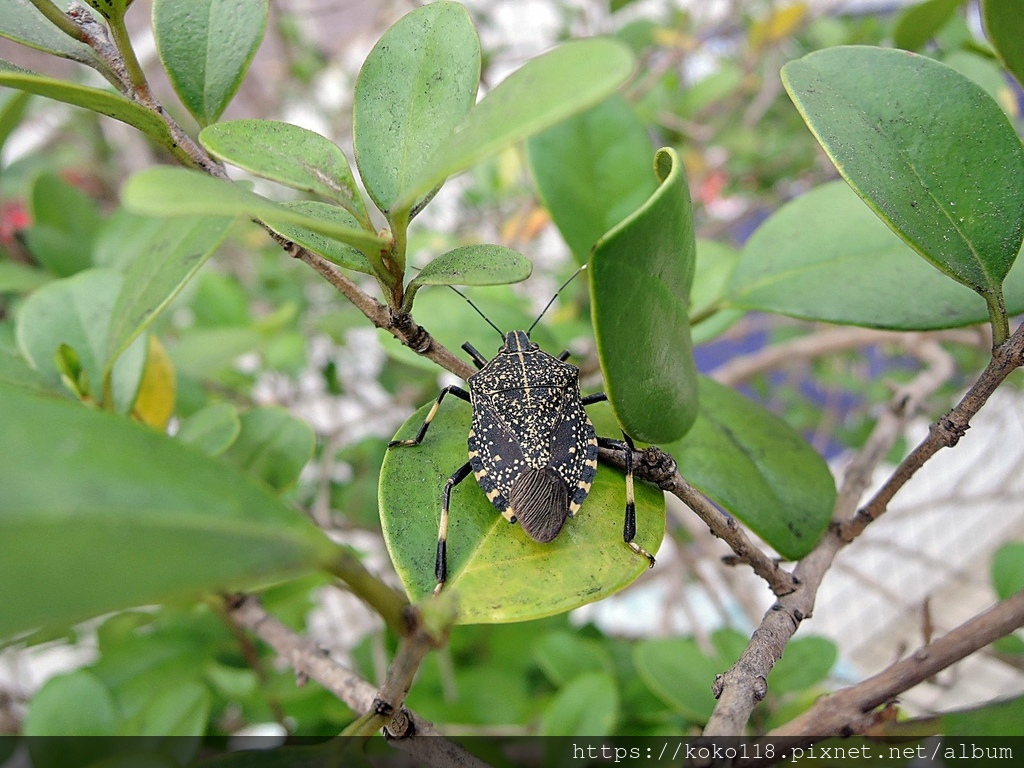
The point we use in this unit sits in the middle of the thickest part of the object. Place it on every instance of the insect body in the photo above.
(532, 447)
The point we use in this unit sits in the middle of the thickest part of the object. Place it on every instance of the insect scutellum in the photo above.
(532, 448)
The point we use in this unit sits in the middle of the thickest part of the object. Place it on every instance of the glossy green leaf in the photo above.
(588, 706)
(104, 102)
(172, 192)
(917, 24)
(757, 468)
(100, 514)
(206, 47)
(472, 265)
(76, 312)
(212, 429)
(543, 92)
(1008, 569)
(416, 85)
(564, 656)
(826, 256)
(72, 704)
(929, 151)
(678, 673)
(805, 663)
(21, 22)
(592, 171)
(715, 264)
(289, 155)
(157, 268)
(986, 72)
(497, 571)
(333, 250)
(1004, 27)
(273, 445)
(640, 278)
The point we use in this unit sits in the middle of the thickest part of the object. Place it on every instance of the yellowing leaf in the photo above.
(154, 404)
(777, 25)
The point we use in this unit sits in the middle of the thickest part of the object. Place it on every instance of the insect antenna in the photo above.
(552, 299)
(478, 311)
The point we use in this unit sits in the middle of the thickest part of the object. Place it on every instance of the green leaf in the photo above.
(917, 24)
(758, 468)
(588, 706)
(805, 663)
(66, 221)
(21, 22)
(15, 371)
(158, 267)
(273, 445)
(715, 264)
(999, 719)
(1008, 569)
(416, 85)
(206, 47)
(182, 710)
(76, 312)
(543, 92)
(289, 155)
(826, 256)
(334, 251)
(21, 278)
(104, 102)
(100, 514)
(212, 429)
(640, 278)
(564, 656)
(1004, 28)
(678, 673)
(929, 151)
(592, 171)
(72, 704)
(12, 110)
(472, 265)
(497, 571)
(171, 192)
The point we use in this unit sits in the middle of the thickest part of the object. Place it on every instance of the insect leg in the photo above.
(597, 397)
(564, 355)
(459, 392)
(629, 525)
(441, 560)
(478, 360)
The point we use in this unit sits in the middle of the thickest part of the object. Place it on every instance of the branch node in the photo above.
(760, 689)
(718, 686)
(400, 726)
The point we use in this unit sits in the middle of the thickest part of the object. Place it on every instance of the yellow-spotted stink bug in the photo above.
(532, 447)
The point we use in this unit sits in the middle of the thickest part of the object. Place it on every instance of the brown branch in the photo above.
(658, 467)
(306, 657)
(851, 710)
(745, 683)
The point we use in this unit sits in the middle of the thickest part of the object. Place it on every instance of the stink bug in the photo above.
(532, 447)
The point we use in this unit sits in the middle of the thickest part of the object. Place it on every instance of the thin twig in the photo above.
(745, 683)
(304, 656)
(851, 710)
(827, 342)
